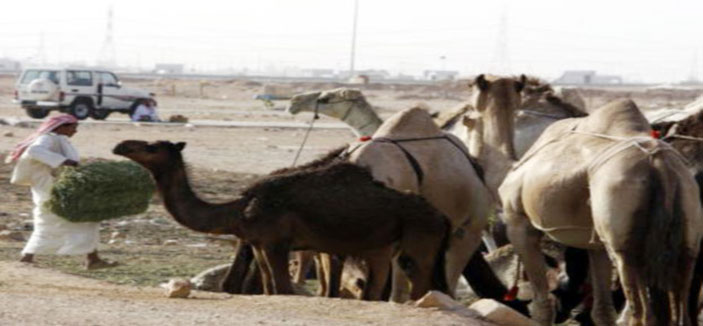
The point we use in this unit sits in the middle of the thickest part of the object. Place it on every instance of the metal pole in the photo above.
(353, 45)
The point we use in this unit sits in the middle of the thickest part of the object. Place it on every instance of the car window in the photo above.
(108, 79)
(79, 78)
(33, 74)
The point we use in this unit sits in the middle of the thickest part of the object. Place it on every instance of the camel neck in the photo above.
(363, 120)
(189, 210)
(498, 134)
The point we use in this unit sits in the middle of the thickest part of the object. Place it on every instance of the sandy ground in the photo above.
(58, 292)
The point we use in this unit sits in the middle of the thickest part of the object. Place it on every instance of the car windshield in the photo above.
(33, 74)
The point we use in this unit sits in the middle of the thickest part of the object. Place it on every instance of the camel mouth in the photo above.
(121, 149)
(126, 147)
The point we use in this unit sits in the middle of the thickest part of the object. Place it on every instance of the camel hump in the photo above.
(618, 118)
(413, 122)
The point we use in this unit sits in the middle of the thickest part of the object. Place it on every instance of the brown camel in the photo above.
(337, 209)
(602, 183)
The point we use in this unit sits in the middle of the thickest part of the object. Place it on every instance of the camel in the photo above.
(340, 102)
(410, 153)
(345, 104)
(540, 106)
(686, 136)
(564, 187)
(337, 208)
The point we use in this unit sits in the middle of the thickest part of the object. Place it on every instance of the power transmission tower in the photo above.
(41, 51)
(693, 77)
(107, 56)
(501, 60)
(353, 45)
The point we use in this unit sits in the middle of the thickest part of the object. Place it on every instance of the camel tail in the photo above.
(697, 281)
(662, 242)
(439, 276)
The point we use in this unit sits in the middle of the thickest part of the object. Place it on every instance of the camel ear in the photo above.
(672, 130)
(520, 84)
(180, 146)
(481, 82)
(469, 122)
(351, 94)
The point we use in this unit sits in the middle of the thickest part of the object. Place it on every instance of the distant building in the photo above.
(587, 77)
(440, 75)
(404, 77)
(372, 74)
(168, 69)
(9, 65)
(319, 73)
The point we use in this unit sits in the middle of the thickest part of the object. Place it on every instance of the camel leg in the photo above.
(633, 314)
(526, 241)
(277, 257)
(331, 270)
(422, 258)
(603, 313)
(379, 265)
(236, 274)
(400, 289)
(334, 275)
(683, 291)
(462, 245)
(264, 270)
(321, 273)
(304, 259)
(252, 282)
(695, 289)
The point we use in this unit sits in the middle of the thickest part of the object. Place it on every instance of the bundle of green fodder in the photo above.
(100, 191)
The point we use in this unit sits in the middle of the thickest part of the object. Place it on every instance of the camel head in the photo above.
(498, 93)
(497, 99)
(335, 103)
(153, 156)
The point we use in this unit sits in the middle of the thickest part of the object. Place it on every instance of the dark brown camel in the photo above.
(332, 209)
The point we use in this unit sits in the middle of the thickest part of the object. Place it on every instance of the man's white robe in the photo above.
(52, 234)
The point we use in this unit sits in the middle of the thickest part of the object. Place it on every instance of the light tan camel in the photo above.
(411, 154)
(541, 105)
(494, 101)
(337, 208)
(345, 104)
(603, 184)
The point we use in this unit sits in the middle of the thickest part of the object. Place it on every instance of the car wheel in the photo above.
(81, 109)
(100, 114)
(37, 113)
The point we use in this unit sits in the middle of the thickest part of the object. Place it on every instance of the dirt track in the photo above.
(37, 296)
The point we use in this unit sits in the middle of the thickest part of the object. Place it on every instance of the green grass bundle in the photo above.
(100, 191)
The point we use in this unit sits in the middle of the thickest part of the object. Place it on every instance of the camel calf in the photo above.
(338, 209)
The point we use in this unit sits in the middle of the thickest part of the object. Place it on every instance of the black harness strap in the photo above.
(413, 161)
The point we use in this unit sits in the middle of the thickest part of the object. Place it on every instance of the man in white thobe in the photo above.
(37, 157)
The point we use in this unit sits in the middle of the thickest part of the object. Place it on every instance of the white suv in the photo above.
(81, 92)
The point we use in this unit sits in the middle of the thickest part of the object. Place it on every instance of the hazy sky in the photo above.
(640, 39)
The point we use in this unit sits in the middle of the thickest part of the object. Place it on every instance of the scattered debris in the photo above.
(8, 134)
(170, 242)
(178, 118)
(177, 288)
(499, 313)
(210, 279)
(118, 235)
(8, 235)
